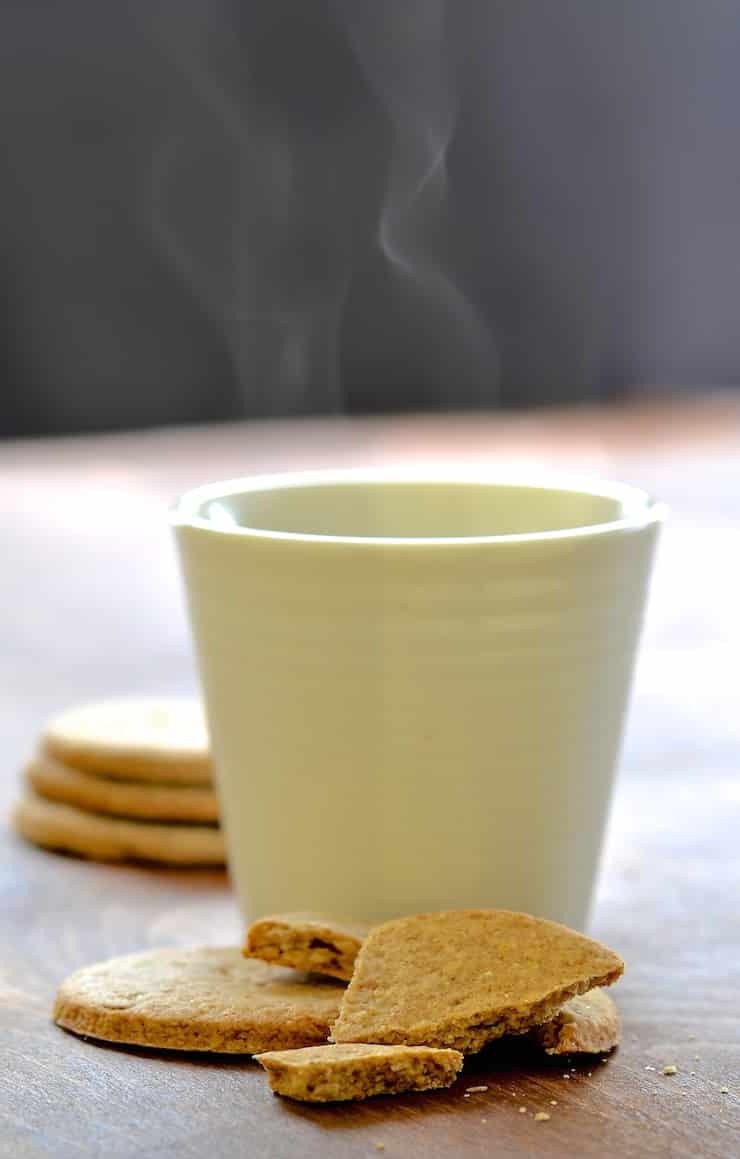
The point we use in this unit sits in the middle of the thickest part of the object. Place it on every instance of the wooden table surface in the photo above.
(91, 606)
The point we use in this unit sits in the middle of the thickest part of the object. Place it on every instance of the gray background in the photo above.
(222, 208)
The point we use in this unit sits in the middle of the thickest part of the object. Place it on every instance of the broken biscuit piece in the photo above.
(588, 1023)
(307, 941)
(462, 978)
(325, 1074)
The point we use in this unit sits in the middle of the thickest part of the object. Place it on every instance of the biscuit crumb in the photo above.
(553, 1102)
(670, 1069)
(566, 1076)
(522, 1110)
(466, 1096)
(484, 1120)
(541, 1117)
(474, 1090)
(379, 1146)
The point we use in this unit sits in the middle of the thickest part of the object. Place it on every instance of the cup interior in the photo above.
(411, 509)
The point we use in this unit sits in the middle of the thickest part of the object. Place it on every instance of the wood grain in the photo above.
(91, 605)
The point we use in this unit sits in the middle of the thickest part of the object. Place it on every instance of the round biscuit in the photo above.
(134, 738)
(62, 827)
(94, 793)
(205, 999)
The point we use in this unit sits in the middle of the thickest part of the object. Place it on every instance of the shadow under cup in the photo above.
(415, 686)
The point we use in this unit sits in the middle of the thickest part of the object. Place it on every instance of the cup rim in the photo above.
(640, 508)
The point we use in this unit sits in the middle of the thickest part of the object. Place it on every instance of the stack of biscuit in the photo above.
(124, 780)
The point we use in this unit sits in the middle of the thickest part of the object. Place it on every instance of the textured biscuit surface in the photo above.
(307, 941)
(462, 978)
(588, 1023)
(63, 827)
(157, 739)
(52, 779)
(323, 1074)
(201, 999)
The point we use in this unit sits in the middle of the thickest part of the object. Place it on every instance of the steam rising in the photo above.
(321, 153)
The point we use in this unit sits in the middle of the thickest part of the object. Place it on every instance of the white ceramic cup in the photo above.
(415, 686)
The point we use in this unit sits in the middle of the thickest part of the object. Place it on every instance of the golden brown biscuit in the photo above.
(325, 1074)
(201, 999)
(62, 827)
(97, 794)
(462, 978)
(588, 1023)
(136, 738)
(306, 941)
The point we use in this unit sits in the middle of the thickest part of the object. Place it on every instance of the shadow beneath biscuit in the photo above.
(209, 874)
(513, 1073)
(380, 1110)
(199, 1058)
(514, 1056)
(493, 1083)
